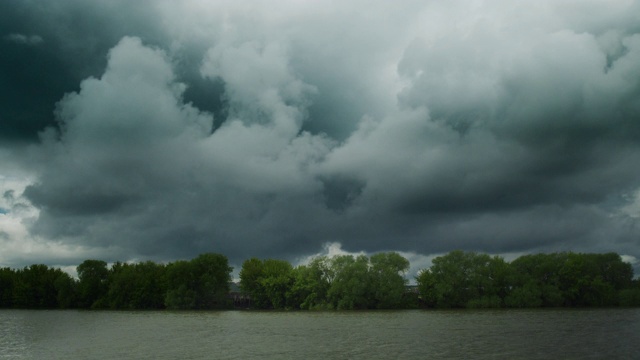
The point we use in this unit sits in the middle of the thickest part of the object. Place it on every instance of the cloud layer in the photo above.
(270, 131)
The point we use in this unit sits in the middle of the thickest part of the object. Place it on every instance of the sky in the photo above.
(160, 130)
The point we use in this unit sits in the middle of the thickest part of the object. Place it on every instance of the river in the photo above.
(408, 334)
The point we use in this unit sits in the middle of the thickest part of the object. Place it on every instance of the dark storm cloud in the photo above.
(195, 126)
(49, 47)
(133, 155)
(24, 39)
(566, 119)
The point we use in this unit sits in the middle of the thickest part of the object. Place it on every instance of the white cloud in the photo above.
(330, 250)
(629, 259)
(632, 207)
(19, 246)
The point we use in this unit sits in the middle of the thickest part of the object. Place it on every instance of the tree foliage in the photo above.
(202, 283)
(311, 284)
(468, 279)
(388, 281)
(455, 280)
(93, 284)
(342, 282)
(464, 279)
(137, 286)
(351, 287)
(268, 282)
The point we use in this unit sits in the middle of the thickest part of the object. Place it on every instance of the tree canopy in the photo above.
(458, 279)
(341, 282)
(468, 279)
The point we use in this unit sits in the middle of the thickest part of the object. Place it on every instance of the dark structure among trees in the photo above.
(455, 280)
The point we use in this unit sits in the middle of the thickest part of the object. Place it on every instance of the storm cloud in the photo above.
(274, 130)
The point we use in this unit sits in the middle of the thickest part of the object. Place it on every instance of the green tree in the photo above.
(351, 286)
(121, 285)
(268, 282)
(426, 281)
(35, 288)
(152, 286)
(93, 278)
(614, 271)
(66, 288)
(276, 282)
(537, 281)
(181, 284)
(202, 283)
(465, 279)
(251, 273)
(213, 275)
(594, 279)
(492, 280)
(310, 285)
(528, 295)
(7, 283)
(387, 279)
(454, 279)
(631, 295)
(453, 273)
(137, 286)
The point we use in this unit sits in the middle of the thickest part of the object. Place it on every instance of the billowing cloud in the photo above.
(134, 158)
(270, 131)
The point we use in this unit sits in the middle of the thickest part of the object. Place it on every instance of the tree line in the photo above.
(343, 282)
(472, 280)
(456, 280)
(200, 283)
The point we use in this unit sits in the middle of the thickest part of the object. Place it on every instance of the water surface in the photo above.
(493, 334)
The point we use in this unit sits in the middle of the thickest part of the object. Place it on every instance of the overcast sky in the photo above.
(159, 130)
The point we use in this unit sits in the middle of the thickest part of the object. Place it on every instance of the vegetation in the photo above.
(201, 283)
(467, 279)
(456, 280)
(342, 282)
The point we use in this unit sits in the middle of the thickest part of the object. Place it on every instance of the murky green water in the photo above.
(512, 334)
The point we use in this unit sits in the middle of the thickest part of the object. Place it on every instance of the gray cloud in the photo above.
(134, 160)
(24, 39)
(272, 131)
(69, 40)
